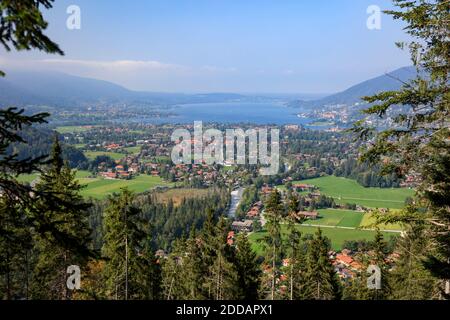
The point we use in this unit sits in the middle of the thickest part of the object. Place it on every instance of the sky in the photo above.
(252, 46)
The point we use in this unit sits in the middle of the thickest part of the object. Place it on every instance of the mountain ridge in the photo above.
(21, 88)
(389, 81)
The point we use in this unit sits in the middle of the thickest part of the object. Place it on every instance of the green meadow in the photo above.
(368, 222)
(73, 129)
(349, 191)
(133, 150)
(339, 226)
(100, 188)
(91, 155)
(80, 175)
(349, 219)
(340, 218)
(336, 236)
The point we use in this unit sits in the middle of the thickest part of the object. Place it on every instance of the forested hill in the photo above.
(389, 81)
(39, 143)
(60, 89)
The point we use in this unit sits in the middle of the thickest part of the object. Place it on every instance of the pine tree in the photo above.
(223, 274)
(296, 268)
(356, 288)
(322, 281)
(123, 245)
(417, 141)
(209, 248)
(93, 284)
(149, 275)
(18, 215)
(31, 210)
(295, 253)
(378, 258)
(173, 281)
(69, 219)
(248, 270)
(193, 271)
(294, 203)
(22, 25)
(410, 279)
(273, 241)
(15, 252)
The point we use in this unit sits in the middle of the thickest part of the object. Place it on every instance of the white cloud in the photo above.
(147, 75)
(119, 65)
(153, 75)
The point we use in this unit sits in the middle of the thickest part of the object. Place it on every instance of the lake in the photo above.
(234, 112)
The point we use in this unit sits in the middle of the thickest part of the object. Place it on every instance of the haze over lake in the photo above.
(234, 112)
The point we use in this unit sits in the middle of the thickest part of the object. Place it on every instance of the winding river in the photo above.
(236, 196)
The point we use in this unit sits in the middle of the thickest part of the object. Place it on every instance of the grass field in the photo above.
(83, 174)
(368, 220)
(341, 218)
(100, 188)
(349, 191)
(84, 177)
(177, 195)
(133, 150)
(30, 177)
(349, 219)
(73, 129)
(336, 236)
(91, 155)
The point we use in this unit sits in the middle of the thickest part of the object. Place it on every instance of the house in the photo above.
(108, 175)
(315, 195)
(302, 187)
(310, 215)
(348, 261)
(230, 238)
(123, 174)
(266, 190)
(242, 226)
(344, 259)
(254, 212)
(134, 168)
(113, 146)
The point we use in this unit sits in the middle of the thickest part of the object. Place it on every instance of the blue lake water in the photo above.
(234, 112)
